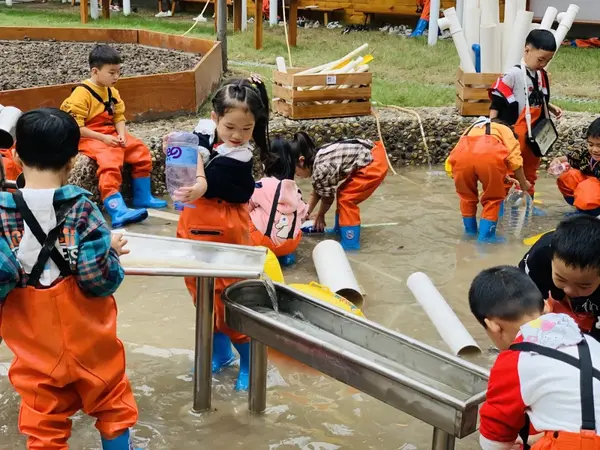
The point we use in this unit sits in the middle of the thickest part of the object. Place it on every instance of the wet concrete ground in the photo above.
(306, 410)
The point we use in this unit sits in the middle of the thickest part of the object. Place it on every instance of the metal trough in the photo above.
(172, 257)
(430, 385)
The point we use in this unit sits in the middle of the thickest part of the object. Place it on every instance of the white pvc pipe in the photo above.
(93, 9)
(434, 12)
(244, 15)
(450, 21)
(272, 12)
(499, 62)
(534, 26)
(8, 2)
(510, 15)
(565, 22)
(495, 11)
(469, 4)
(460, 11)
(488, 17)
(329, 66)
(519, 35)
(471, 29)
(334, 271)
(447, 324)
(126, 7)
(549, 18)
(489, 55)
(8, 124)
(521, 5)
(280, 61)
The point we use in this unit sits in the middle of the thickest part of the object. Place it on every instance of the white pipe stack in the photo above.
(510, 15)
(565, 22)
(434, 11)
(272, 12)
(549, 18)
(489, 54)
(472, 28)
(519, 35)
(450, 22)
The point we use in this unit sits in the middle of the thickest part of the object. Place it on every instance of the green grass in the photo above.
(407, 72)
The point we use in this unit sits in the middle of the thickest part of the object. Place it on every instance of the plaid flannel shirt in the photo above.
(335, 162)
(84, 241)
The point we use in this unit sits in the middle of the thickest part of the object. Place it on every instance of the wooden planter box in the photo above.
(293, 97)
(472, 92)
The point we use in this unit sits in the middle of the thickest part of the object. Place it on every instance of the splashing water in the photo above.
(271, 292)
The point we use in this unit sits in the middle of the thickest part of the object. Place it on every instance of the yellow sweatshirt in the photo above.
(82, 105)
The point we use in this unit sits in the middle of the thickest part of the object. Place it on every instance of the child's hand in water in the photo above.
(192, 193)
(118, 243)
(319, 223)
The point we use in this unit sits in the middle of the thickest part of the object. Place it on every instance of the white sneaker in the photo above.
(200, 18)
(169, 14)
(160, 14)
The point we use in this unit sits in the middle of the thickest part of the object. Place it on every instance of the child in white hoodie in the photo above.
(545, 379)
(276, 207)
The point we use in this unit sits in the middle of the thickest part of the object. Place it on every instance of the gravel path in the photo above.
(25, 64)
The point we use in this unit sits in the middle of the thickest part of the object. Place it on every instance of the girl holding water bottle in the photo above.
(215, 207)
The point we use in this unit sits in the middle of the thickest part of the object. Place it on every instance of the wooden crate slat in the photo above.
(470, 93)
(295, 99)
(466, 108)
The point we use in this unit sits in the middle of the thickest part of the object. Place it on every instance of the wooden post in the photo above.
(216, 2)
(222, 30)
(258, 24)
(293, 23)
(237, 15)
(105, 8)
(83, 11)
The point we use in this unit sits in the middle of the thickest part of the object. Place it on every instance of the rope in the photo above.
(414, 113)
(287, 38)
(374, 112)
(196, 21)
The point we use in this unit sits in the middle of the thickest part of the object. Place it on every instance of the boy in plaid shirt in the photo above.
(59, 267)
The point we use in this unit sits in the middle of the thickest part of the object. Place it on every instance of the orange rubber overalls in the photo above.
(359, 186)
(531, 162)
(215, 220)
(11, 170)
(583, 189)
(480, 158)
(586, 439)
(67, 354)
(111, 159)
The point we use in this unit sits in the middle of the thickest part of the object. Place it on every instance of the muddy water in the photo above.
(306, 410)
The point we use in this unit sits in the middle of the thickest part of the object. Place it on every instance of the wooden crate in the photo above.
(293, 97)
(472, 92)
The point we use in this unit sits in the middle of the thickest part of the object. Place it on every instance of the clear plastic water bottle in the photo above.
(557, 168)
(518, 210)
(182, 157)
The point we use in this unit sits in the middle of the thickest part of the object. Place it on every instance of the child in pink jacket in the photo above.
(276, 208)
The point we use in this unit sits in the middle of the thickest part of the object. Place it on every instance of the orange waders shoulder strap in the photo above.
(47, 241)
(109, 105)
(587, 373)
(271, 221)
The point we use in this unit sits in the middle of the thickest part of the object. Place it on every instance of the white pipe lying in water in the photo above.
(448, 325)
(334, 271)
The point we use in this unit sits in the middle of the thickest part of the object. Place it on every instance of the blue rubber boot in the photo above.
(223, 354)
(120, 214)
(336, 226)
(350, 237)
(244, 377)
(537, 212)
(470, 224)
(420, 28)
(122, 442)
(487, 232)
(142, 194)
(287, 260)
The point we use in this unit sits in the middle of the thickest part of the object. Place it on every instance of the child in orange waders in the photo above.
(545, 382)
(100, 112)
(580, 184)
(509, 98)
(276, 207)
(216, 207)
(60, 268)
(359, 165)
(487, 152)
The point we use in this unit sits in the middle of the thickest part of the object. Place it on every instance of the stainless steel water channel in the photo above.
(204, 261)
(430, 385)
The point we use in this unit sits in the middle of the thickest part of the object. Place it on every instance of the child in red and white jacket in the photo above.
(543, 380)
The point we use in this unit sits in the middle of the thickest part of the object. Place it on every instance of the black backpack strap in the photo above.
(587, 373)
(524, 433)
(291, 233)
(108, 105)
(48, 242)
(271, 221)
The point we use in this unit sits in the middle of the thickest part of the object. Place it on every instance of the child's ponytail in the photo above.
(280, 163)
